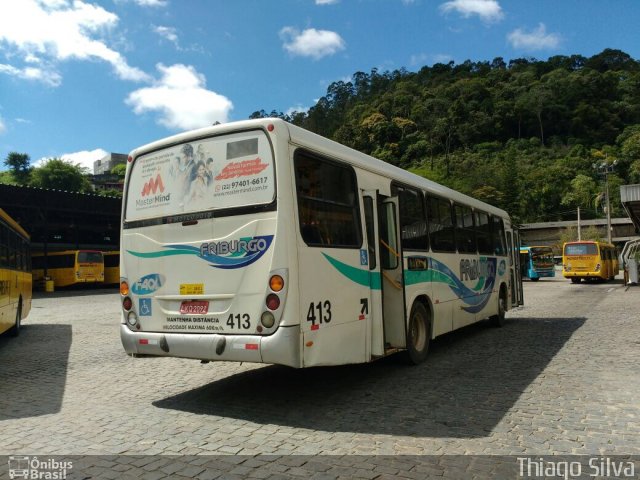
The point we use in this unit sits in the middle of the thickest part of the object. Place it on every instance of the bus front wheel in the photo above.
(418, 334)
(575, 279)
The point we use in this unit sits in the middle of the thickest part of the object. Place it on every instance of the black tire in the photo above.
(575, 279)
(535, 279)
(418, 334)
(499, 319)
(15, 330)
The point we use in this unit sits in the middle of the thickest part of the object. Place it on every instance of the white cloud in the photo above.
(48, 77)
(311, 42)
(46, 32)
(84, 159)
(3, 127)
(151, 3)
(296, 108)
(487, 10)
(181, 99)
(326, 2)
(167, 32)
(537, 39)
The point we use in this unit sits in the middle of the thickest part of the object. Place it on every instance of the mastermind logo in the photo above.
(226, 254)
(38, 469)
(153, 186)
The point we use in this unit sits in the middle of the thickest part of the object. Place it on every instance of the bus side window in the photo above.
(413, 225)
(497, 236)
(327, 203)
(483, 234)
(441, 227)
(465, 232)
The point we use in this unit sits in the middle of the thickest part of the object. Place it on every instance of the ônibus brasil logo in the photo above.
(152, 186)
(225, 254)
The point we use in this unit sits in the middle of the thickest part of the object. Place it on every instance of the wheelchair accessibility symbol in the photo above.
(145, 307)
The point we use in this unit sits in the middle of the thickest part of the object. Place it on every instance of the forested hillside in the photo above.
(522, 135)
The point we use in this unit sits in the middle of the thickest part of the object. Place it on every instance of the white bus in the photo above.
(259, 241)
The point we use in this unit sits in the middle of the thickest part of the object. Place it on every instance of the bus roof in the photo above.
(13, 224)
(302, 137)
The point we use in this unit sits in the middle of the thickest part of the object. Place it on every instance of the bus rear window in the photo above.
(581, 249)
(216, 173)
(89, 257)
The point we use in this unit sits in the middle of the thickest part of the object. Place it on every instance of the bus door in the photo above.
(375, 330)
(391, 269)
(516, 272)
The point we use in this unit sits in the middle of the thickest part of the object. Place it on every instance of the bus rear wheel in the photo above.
(498, 319)
(575, 279)
(418, 334)
(15, 330)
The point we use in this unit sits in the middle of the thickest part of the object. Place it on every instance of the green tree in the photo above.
(119, 170)
(60, 175)
(20, 166)
(583, 189)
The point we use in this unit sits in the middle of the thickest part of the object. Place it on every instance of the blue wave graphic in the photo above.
(475, 300)
(234, 260)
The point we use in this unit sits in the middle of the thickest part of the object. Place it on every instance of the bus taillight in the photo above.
(124, 288)
(276, 283)
(127, 303)
(273, 301)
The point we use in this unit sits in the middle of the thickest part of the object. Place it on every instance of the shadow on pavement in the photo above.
(469, 382)
(33, 370)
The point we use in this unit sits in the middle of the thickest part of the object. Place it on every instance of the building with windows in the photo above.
(106, 163)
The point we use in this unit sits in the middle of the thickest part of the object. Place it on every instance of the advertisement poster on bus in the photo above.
(210, 174)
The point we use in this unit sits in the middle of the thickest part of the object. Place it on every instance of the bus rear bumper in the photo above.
(282, 347)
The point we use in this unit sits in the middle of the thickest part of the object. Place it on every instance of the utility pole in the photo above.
(605, 169)
(606, 181)
(579, 232)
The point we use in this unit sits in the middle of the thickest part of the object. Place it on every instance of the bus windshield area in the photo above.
(89, 257)
(581, 249)
(542, 256)
(222, 172)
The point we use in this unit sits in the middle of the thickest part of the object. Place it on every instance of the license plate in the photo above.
(194, 307)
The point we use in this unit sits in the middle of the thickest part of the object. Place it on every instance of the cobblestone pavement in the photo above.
(561, 377)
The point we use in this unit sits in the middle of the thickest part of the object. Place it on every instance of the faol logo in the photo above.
(148, 284)
(152, 186)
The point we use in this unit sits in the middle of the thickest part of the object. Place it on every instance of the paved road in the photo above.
(561, 377)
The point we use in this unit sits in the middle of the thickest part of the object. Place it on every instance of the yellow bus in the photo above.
(15, 274)
(69, 267)
(111, 267)
(589, 261)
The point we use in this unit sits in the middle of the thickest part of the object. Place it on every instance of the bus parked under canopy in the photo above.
(69, 267)
(259, 241)
(15, 274)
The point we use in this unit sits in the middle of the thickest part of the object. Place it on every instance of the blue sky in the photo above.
(82, 78)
